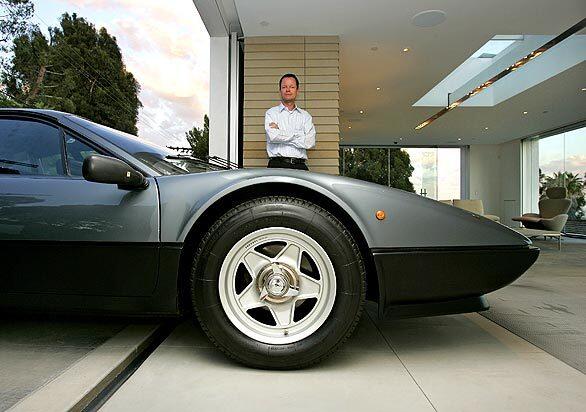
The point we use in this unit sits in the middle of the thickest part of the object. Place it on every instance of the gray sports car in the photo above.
(275, 264)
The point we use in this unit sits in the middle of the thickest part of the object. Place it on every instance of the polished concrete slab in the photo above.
(448, 363)
(547, 305)
(36, 350)
(82, 382)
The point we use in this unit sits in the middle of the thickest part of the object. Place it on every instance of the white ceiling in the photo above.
(434, 53)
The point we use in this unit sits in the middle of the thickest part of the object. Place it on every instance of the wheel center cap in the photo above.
(277, 285)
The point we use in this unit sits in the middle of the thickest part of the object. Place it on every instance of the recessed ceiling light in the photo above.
(400, 138)
(264, 23)
(459, 138)
(584, 89)
(378, 88)
(361, 111)
(349, 127)
(486, 128)
(429, 18)
(525, 112)
(406, 49)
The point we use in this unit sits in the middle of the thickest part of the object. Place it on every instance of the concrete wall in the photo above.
(495, 177)
(315, 61)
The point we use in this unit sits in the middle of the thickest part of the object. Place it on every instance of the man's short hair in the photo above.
(289, 75)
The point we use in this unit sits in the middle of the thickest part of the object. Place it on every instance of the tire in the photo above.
(260, 250)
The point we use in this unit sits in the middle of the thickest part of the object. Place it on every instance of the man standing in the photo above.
(289, 129)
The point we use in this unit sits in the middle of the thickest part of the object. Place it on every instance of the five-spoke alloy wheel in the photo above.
(286, 296)
(278, 283)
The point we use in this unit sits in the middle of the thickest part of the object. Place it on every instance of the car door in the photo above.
(61, 234)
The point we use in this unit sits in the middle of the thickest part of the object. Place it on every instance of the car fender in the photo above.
(181, 213)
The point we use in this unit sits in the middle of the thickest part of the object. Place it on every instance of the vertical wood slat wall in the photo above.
(315, 61)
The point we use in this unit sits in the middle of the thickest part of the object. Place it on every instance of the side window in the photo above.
(76, 151)
(28, 147)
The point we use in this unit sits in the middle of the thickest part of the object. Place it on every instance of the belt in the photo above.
(292, 160)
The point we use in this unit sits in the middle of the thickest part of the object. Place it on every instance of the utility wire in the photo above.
(146, 120)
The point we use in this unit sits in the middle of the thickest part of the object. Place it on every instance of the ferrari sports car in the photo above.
(275, 264)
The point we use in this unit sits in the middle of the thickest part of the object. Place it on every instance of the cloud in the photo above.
(574, 164)
(166, 47)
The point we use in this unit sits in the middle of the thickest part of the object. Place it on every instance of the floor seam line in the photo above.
(400, 360)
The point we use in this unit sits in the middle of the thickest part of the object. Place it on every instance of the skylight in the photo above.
(492, 48)
(480, 60)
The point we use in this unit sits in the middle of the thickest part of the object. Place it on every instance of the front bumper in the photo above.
(426, 278)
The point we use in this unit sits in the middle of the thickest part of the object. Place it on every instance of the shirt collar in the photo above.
(283, 107)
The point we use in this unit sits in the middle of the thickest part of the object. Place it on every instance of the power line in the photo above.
(146, 120)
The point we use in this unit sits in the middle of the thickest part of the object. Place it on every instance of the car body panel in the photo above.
(412, 221)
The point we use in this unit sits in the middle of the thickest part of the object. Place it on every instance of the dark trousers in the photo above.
(285, 163)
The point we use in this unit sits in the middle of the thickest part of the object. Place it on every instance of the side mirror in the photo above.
(105, 169)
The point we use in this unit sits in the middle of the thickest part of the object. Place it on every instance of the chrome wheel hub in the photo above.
(277, 285)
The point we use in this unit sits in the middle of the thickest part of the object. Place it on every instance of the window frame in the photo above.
(87, 142)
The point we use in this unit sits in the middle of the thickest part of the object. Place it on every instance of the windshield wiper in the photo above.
(14, 162)
(211, 160)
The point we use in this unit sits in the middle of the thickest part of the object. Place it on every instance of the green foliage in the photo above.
(15, 18)
(372, 165)
(574, 184)
(199, 139)
(77, 70)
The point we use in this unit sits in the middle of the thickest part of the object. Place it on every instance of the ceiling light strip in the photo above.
(519, 63)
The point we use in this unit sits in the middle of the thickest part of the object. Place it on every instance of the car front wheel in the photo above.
(278, 283)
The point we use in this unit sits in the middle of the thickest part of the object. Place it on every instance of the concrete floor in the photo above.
(448, 363)
(547, 305)
(34, 351)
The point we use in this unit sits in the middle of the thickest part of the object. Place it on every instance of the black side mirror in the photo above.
(105, 169)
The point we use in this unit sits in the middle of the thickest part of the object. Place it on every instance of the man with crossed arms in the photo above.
(289, 129)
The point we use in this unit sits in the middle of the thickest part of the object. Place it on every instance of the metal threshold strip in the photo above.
(519, 63)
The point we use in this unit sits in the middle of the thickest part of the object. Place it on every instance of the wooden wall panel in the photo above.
(315, 60)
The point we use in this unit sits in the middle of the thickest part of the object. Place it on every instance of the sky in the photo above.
(166, 47)
(566, 151)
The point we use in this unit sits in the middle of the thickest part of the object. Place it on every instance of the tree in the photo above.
(15, 18)
(199, 139)
(575, 186)
(78, 69)
(372, 165)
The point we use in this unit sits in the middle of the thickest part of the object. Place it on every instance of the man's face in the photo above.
(288, 90)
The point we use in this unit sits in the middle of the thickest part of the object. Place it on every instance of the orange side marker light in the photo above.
(380, 214)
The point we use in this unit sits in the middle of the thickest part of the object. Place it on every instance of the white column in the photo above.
(530, 173)
(234, 107)
(219, 96)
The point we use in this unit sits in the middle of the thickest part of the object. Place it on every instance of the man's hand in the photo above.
(273, 125)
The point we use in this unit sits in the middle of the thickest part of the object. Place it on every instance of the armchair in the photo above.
(552, 214)
(474, 206)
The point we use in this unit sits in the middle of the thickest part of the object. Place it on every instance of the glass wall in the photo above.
(428, 171)
(561, 162)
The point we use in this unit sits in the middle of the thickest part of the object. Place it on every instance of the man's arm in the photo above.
(276, 135)
(308, 139)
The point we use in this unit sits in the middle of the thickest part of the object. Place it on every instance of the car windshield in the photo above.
(161, 159)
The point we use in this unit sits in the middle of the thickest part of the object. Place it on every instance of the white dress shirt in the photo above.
(295, 134)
